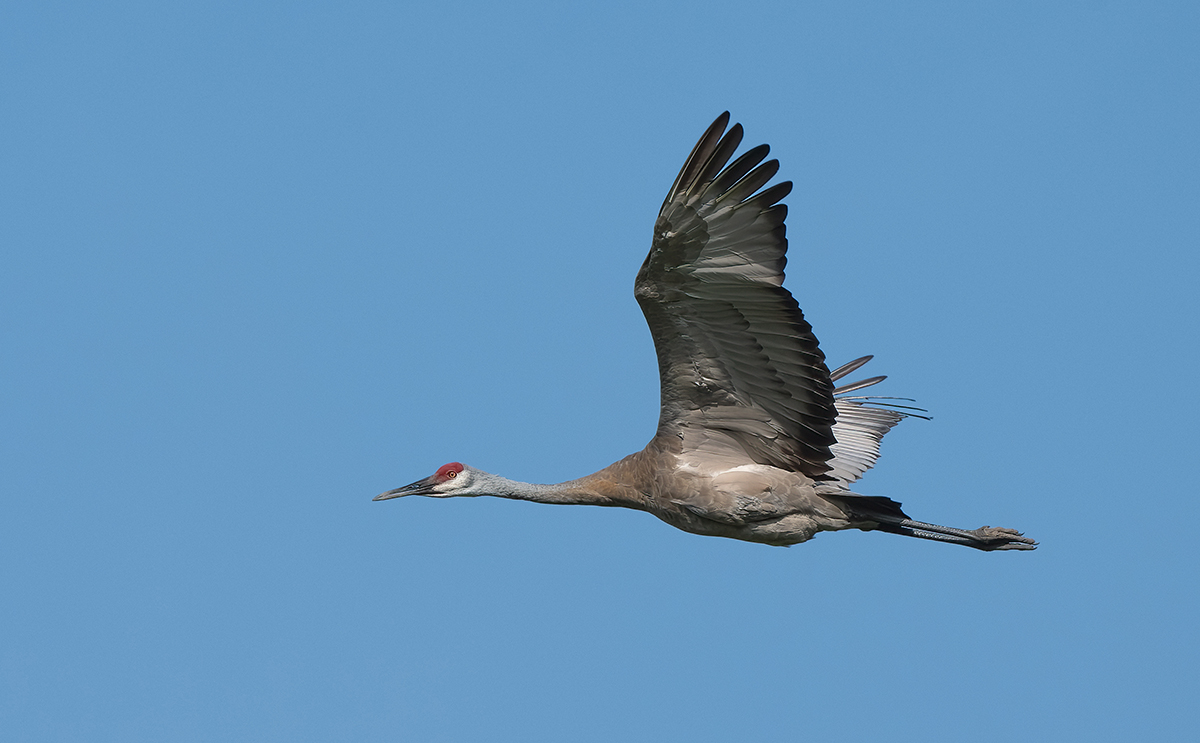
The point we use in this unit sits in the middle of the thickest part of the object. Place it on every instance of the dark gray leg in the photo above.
(987, 538)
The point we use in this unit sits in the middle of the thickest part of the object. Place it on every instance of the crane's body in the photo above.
(754, 442)
(751, 502)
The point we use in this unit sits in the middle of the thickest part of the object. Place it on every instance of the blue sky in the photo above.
(265, 260)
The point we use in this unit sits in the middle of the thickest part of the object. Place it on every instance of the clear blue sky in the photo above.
(262, 261)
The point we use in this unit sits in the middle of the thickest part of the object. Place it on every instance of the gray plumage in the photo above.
(754, 442)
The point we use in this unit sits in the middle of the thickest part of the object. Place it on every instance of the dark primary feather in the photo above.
(735, 353)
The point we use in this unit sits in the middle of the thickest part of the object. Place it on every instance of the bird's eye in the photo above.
(451, 474)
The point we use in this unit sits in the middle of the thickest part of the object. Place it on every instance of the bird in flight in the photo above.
(757, 440)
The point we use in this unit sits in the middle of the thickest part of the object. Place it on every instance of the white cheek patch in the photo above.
(450, 485)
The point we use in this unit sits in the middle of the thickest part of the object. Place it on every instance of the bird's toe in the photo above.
(999, 538)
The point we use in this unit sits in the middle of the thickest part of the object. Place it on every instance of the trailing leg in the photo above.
(987, 538)
(884, 514)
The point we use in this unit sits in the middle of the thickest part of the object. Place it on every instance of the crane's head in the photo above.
(450, 480)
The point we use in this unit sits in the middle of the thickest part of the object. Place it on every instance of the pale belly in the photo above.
(781, 532)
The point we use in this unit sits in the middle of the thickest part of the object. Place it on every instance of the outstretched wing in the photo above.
(739, 365)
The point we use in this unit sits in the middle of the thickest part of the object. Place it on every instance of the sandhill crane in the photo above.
(754, 442)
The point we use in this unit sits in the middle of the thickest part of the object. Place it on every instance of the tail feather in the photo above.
(878, 508)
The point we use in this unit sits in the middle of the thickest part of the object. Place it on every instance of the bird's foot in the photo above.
(999, 538)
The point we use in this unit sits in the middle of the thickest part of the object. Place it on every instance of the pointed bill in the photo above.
(420, 487)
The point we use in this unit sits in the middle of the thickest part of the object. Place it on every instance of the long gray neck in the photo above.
(586, 491)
